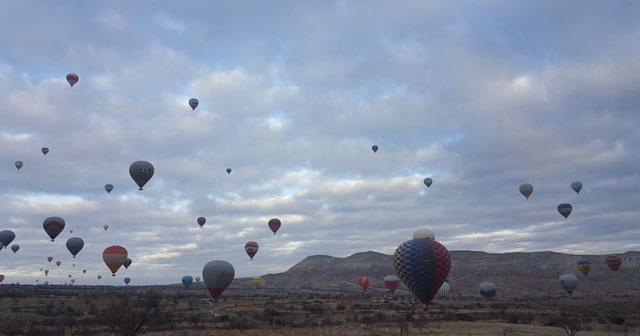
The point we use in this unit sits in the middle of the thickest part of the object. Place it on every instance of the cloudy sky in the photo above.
(479, 96)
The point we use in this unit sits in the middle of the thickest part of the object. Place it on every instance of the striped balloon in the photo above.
(614, 262)
(423, 265)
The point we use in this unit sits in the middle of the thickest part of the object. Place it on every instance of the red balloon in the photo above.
(364, 282)
(114, 257)
(72, 78)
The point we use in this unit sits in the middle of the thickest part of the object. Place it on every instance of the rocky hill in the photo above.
(515, 274)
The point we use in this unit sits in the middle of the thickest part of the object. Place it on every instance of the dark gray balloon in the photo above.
(6, 237)
(217, 275)
(53, 226)
(74, 245)
(488, 289)
(15, 248)
(141, 172)
(193, 102)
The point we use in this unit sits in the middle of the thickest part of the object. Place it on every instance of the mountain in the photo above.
(515, 274)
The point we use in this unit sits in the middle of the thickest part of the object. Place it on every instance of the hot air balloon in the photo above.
(584, 266)
(251, 248)
(364, 282)
(201, 221)
(424, 234)
(569, 282)
(108, 187)
(74, 245)
(193, 102)
(69, 276)
(526, 190)
(44, 150)
(72, 78)
(444, 290)
(197, 279)
(49, 259)
(217, 275)
(228, 170)
(127, 263)
(127, 280)
(99, 277)
(53, 226)
(84, 271)
(565, 209)
(576, 186)
(15, 248)
(73, 281)
(488, 289)
(428, 181)
(114, 256)
(105, 227)
(58, 263)
(1, 278)
(141, 172)
(423, 265)
(6, 237)
(46, 272)
(19, 164)
(374, 148)
(614, 262)
(274, 225)
(74, 265)
(187, 280)
(391, 282)
(256, 281)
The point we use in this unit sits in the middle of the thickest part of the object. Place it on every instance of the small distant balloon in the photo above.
(193, 102)
(228, 170)
(256, 281)
(428, 181)
(75, 245)
(44, 150)
(274, 225)
(58, 263)
(46, 272)
(488, 290)
(584, 266)
(15, 248)
(424, 234)
(526, 189)
(84, 271)
(72, 78)
(127, 280)
(108, 187)
(201, 221)
(251, 248)
(374, 148)
(49, 259)
(569, 282)
(19, 164)
(614, 262)
(391, 282)
(6, 237)
(99, 277)
(105, 227)
(576, 186)
(187, 280)
(1, 278)
(364, 283)
(127, 263)
(141, 172)
(565, 209)
(53, 226)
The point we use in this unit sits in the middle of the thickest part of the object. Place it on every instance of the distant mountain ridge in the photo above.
(532, 273)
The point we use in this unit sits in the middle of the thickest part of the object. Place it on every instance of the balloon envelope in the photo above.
(576, 186)
(141, 172)
(488, 289)
(251, 248)
(1, 277)
(19, 164)
(391, 282)
(444, 289)
(105, 227)
(374, 148)
(127, 280)
(72, 78)
(74, 245)
(49, 258)
(256, 281)
(364, 282)
(423, 265)
(108, 187)
(569, 282)
(201, 221)
(15, 248)
(428, 181)
(584, 266)
(217, 275)
(44, 150)
(114, 257)
(274, 225)
(53, 226)
(565, 209)
(228, 170)
(526, 190)
(424, 234)
(193, 102)
(187, 280)
(614, 262)
(127, 263)
(6, 237)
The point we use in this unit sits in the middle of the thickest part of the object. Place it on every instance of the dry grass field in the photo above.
(163, 311)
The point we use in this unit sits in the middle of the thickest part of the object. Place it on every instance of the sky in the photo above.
(480, 96)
